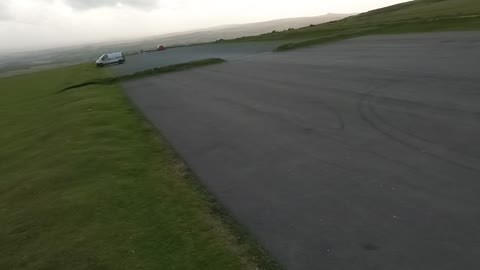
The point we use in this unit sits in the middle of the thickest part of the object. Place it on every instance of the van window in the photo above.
(105, 57)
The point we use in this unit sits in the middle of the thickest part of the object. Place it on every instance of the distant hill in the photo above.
(283, 24)
(19, 62)
(408, 17)
(238, 30)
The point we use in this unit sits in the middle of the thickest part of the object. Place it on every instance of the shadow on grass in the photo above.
(150, 72)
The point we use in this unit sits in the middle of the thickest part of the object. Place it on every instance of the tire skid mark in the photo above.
(332, 110)
(421, 139)
(322, 133)
(339, 140)
(405, 139)
(413, 104)
(354, 172)
(295, 120)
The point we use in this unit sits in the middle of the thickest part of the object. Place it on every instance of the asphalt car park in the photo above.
(363, 154)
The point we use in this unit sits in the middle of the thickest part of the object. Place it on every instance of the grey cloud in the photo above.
(4, 15)
(90, 4)
(4, 12)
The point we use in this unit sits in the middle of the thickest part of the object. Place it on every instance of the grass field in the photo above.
(149, 72)
(86, 183)
(408, 17)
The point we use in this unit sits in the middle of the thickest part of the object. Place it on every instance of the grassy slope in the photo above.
(86, 184)
(414, 16)
(146, 73)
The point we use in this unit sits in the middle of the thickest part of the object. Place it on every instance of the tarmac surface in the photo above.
(363, 154)
(178, 55)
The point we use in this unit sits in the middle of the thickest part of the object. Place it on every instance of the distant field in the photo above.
(87, 184)
(28, 62)
(414, 16)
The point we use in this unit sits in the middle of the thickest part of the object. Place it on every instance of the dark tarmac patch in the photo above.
(371, 138)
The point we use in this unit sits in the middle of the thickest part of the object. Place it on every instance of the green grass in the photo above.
(148, 72)
(172, 68)
(86, 183)
(409, 17)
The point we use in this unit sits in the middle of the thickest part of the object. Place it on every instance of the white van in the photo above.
(110, 58)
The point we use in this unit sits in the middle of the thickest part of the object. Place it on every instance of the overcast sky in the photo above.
(29, 24)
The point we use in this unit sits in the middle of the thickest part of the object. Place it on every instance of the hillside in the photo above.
(421, 9)
(14, 63)
(414, 16)
(238, 30)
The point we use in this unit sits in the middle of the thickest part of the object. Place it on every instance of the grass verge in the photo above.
(86, 183)
(149, 72)
(421, 26)
(417, 16)
(318, 41)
